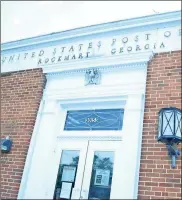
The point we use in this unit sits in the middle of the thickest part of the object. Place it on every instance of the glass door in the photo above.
(100, 179)
(70, 170)
(88, 170)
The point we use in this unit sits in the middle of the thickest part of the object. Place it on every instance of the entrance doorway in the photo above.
(89, 170)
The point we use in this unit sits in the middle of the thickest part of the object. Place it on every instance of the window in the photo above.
(100, 119)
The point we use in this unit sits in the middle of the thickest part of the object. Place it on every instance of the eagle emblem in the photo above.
(92, 77)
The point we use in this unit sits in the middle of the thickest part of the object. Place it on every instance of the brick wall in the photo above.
(157, 179)
(21, 93)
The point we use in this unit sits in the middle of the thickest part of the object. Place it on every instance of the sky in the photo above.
(23, 19)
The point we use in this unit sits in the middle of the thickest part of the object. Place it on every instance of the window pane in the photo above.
(168, 123)
(66, 174)
(178, 124)
(101, 179)
(107, 119)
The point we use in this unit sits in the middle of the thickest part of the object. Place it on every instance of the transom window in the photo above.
(100, 119)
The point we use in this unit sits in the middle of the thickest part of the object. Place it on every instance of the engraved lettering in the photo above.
(90, 45)
(80, 47)
(66, 58)
(41, 52)
(3, 60)
(138, 48)
(162, 45)
(59, 58)
(125, 40)
(87, 54)
(113, 42)
(25, 55)
(54, 52)
(63, 49)
(113, 51)
(53, 59)
(129, 49)
(33, 54)
(121, 50)
(80, 56)
(146, 46)
(71, 49)
(167, 34)
(147, 36)
(40, 61)
(11, 58)
(74, 57)
(18, 57)
(46, 60)
(99, 44)
(136, 38)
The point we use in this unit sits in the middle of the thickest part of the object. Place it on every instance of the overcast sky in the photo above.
(22, 19)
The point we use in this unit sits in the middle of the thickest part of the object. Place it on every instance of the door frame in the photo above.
(81, 146)
(57, 95)
(84, 169)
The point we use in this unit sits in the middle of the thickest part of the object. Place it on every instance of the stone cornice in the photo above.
(134, 60)
(145, 21)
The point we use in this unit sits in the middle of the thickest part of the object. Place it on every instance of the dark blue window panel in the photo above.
(102, 119)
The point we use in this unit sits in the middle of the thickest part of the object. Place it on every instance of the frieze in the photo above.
(160, 40)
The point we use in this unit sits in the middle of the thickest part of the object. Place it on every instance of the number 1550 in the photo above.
(91, 119)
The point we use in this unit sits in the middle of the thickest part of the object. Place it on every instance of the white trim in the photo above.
(101, 91)
(139, 148)
(132, 60)
(58, 101)
(89, 137)
(30, 152)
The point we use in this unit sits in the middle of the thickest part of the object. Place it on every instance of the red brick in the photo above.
(158, 189)
(163, 89)
(21, 93)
